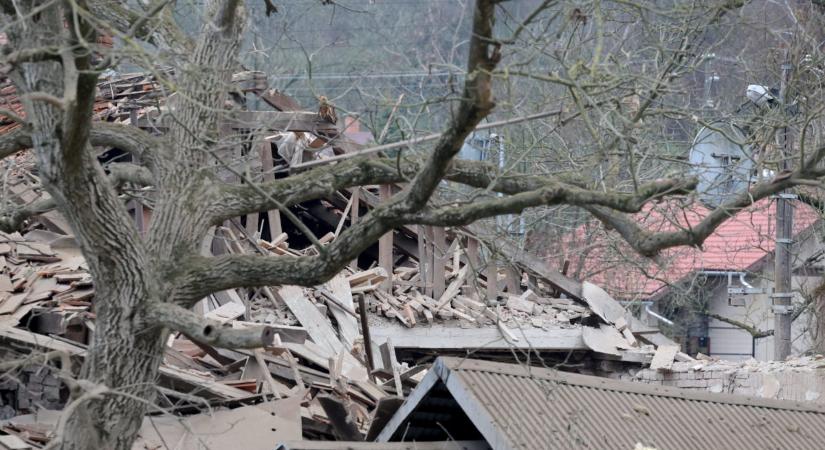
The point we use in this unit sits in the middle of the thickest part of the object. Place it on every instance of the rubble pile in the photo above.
(799, 378)
(333, 370)
(46, 304)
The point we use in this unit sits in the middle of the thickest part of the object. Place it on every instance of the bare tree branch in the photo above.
(14, 141)
(208, 331)
(130, 173)
(162, 31)
(234, 200)
(752, 330)
(650, 244)
(11, 219)
(103, 134)
(554, 194)
(51, 53)
(200, 276)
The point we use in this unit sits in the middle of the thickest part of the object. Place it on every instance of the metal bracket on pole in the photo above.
(785, 196)
(782, 309)
(784, 241)
(745, 291)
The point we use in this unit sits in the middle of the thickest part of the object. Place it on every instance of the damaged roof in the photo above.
(516, 406)
(739, 244)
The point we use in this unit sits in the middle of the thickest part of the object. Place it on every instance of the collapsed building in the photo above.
(346, 353)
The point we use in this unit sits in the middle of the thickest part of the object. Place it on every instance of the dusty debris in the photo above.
(323, 362)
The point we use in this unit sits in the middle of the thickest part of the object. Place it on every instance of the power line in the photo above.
(344, 76)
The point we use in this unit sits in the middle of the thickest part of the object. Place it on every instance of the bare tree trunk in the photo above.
(124, 356)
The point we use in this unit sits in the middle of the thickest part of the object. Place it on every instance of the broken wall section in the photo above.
(798, 379)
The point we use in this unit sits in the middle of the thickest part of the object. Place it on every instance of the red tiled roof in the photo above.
(10, 101)
(738, 244)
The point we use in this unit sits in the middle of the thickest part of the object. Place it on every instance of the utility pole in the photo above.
(782, 291)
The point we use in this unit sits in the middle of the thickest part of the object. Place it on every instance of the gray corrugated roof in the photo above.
(518, 407)
(353, 445)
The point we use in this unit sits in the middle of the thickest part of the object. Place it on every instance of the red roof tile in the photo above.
(738, 244)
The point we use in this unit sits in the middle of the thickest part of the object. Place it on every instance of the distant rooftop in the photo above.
(739, 245)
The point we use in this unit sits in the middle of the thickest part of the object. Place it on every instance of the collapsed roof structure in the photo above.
(340, 350)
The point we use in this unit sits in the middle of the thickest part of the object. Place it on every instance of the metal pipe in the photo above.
(728, 274)
(647, 304)
(657, 315)
(742, 280)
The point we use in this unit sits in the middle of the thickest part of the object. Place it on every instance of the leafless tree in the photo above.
(145, 284)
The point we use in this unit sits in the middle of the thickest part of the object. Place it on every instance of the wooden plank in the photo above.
(226, 312)
(344, 214)
(472, 252)
(5, 283)
(427, 260)
(409, 314)
(12, 442)
(385, 242)
(409, 373)
(11, 304)
(663, 359)
(266, 121)
(439, 261)
(267, 165)
(203, 383)
(473, 261)
(444, 337)
(39, 341)
(454, 288)
(280, 101)
(491, 273)
(372, 275)
(275, 388)
(353, 216)
(254, 427)
(293, 366)
(352, 368)
(282, 121)
(339, 287)
(332, 300)
(365, 332)
(371, 390)
(316, 324)
(391, 365)
(252, 224)
(536, 267)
